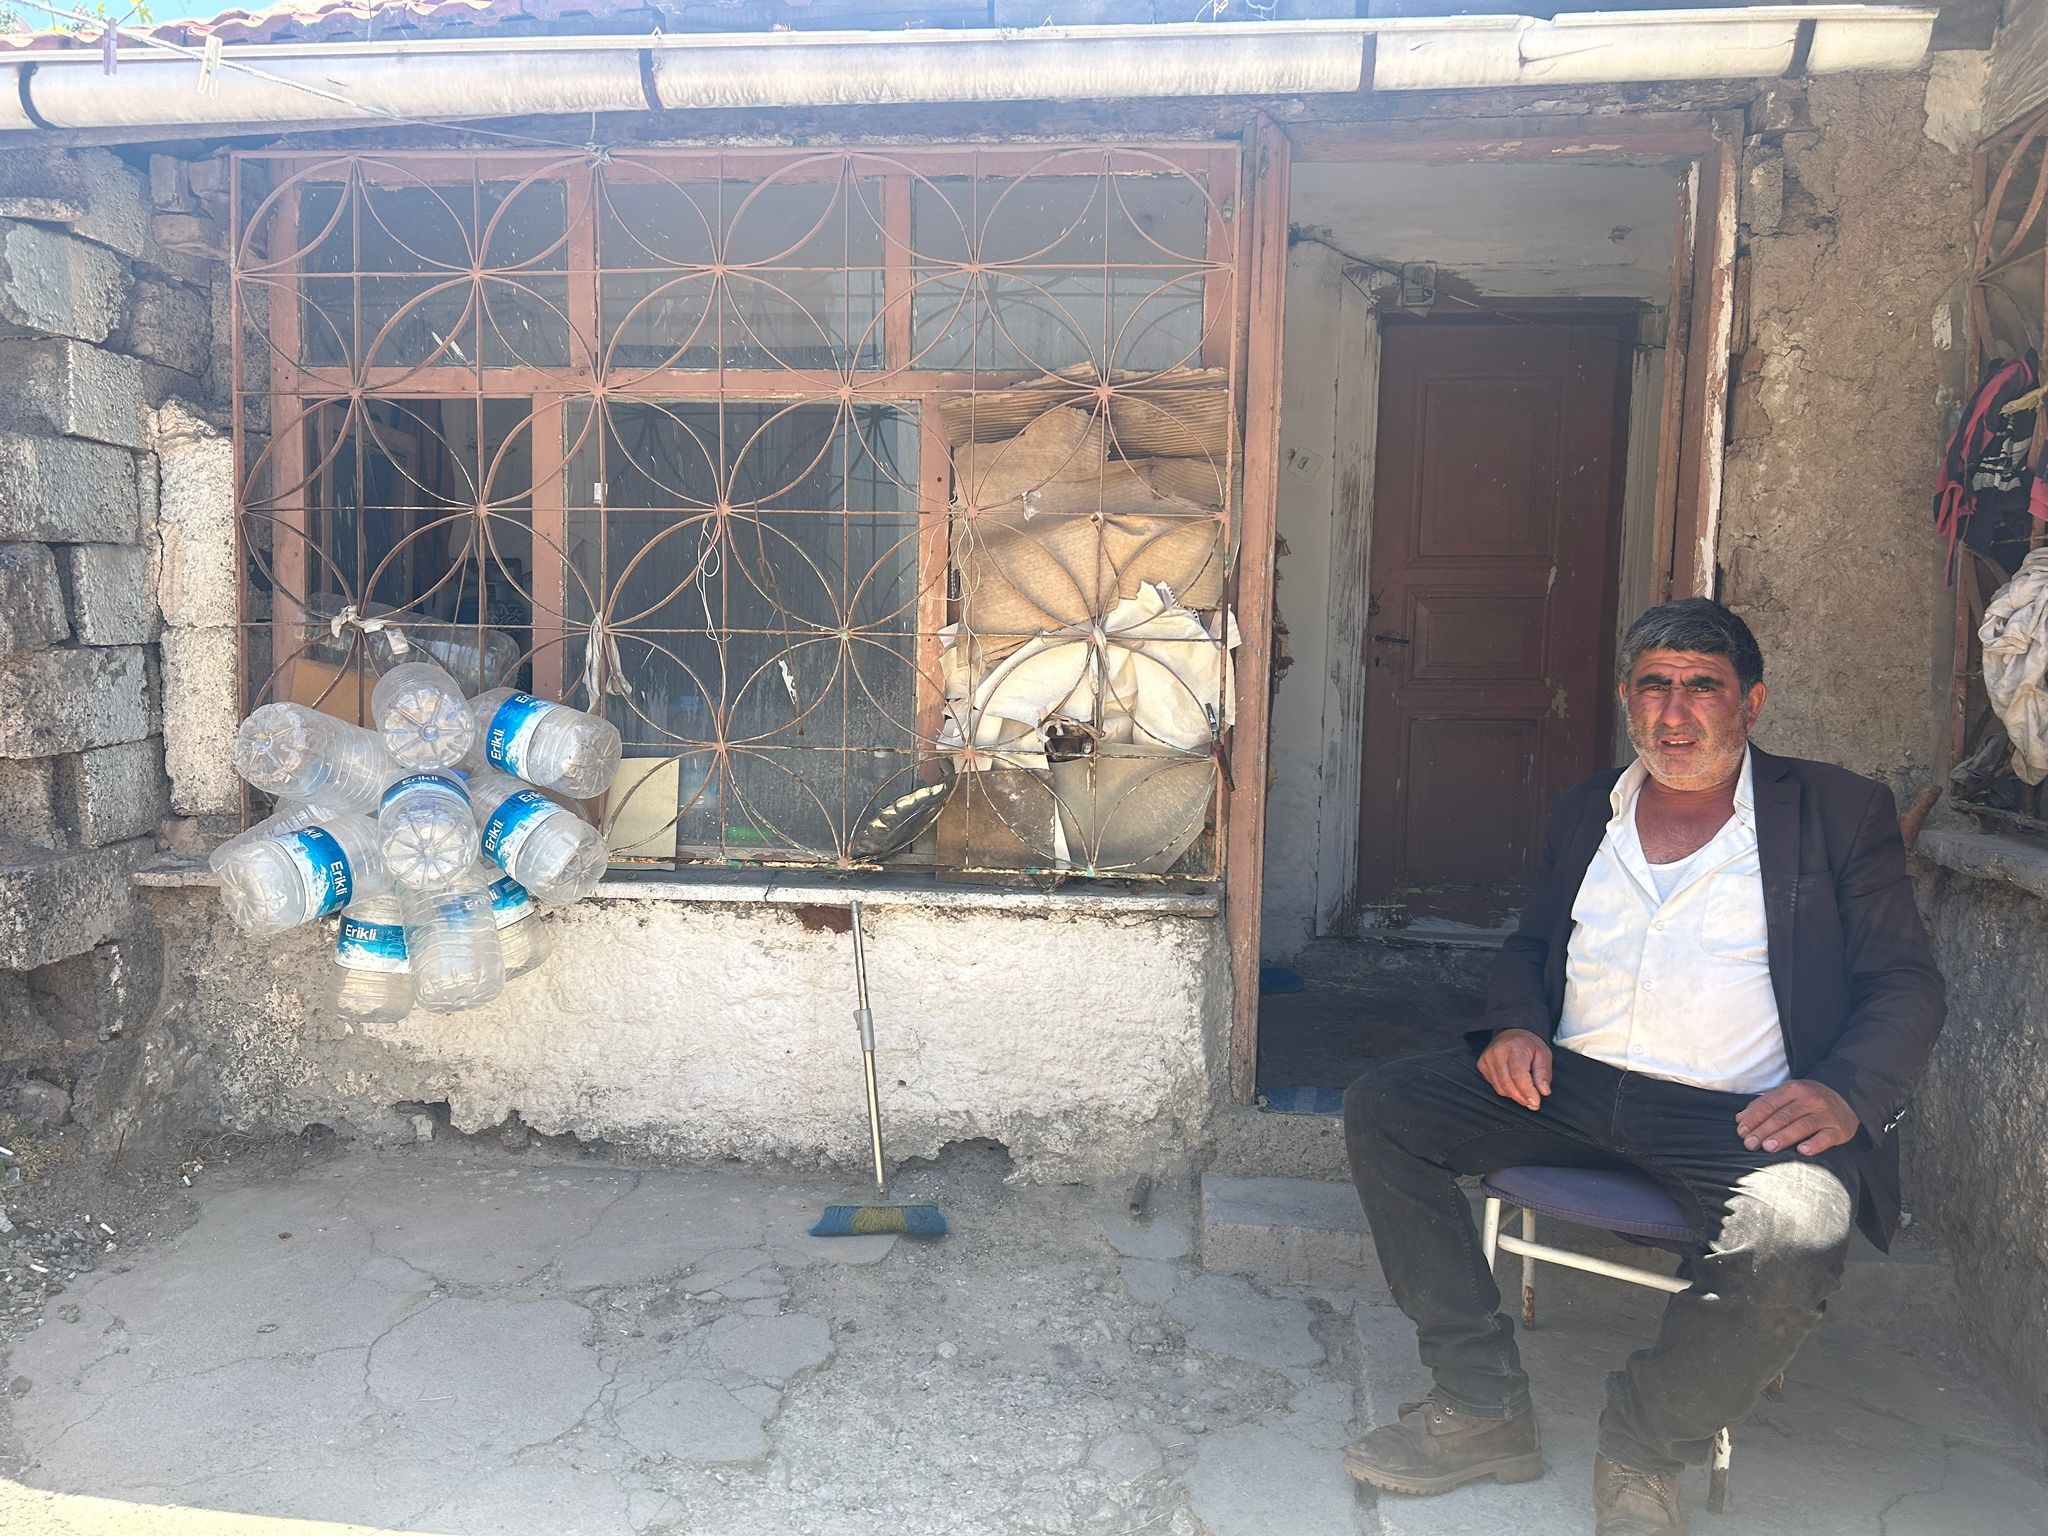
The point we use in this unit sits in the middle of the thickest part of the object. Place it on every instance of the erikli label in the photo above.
(362, 946)
(513, 822)
(448, 778)
(510, 901)
(509, 738)
(323, 866)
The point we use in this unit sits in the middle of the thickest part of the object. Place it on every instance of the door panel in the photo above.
(1488, 641)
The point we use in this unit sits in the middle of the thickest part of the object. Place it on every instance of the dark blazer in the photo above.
(1859, 998)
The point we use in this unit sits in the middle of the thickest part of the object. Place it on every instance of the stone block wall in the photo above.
(106, 374)
(1978, 1136)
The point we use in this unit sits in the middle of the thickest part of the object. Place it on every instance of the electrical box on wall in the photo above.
(1418, 284)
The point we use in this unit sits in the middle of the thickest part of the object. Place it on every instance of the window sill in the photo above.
(1987, 856)
(797, 888)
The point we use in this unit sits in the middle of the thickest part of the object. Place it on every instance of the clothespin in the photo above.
(351, 617)
(209, 67)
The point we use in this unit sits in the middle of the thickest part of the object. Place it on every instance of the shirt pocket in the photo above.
(1732, 922)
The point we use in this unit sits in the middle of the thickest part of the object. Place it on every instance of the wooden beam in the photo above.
(1634, 136)
(1671, 409)
(1266, 186)
(1703, 449)
(1348, 595)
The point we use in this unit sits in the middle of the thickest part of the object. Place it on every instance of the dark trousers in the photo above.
(1775, 1229)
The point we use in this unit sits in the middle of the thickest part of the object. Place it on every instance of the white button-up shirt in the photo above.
(1669, 969)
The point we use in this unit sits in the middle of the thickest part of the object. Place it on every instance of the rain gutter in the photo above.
(157, 86)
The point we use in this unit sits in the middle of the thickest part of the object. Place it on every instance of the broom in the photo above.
(921, 1221)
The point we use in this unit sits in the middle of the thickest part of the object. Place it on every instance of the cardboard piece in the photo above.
(640, 811)
(338, 689)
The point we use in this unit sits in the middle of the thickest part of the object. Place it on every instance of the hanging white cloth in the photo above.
(2015, 636)
(1150, 673)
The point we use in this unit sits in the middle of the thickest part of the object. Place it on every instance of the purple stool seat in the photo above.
(1594, 1197)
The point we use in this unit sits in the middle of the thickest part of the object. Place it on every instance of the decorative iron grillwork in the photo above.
(882, 499)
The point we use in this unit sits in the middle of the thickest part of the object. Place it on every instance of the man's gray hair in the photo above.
(1697, 624)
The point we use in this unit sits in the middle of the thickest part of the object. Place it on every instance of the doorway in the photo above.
(1490, 607)
(1484, 394)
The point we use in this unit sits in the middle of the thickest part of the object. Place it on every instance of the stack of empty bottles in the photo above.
(438, 836)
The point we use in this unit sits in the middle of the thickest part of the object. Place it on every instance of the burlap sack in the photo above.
(1195, 480)
(1061, 448)
(1181, 414)
(1019, 577)
(1178, 413)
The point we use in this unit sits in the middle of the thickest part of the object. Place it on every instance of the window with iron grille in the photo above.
(882, 499)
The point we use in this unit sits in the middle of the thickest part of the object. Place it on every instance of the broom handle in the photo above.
(865, 1018)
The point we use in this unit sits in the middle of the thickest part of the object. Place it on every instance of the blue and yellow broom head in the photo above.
(919, 1221)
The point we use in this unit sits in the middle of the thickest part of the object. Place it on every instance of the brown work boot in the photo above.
(1631, 1503)
(1435, 1447)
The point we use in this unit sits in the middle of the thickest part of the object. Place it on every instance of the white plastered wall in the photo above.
(1499, 232)
(1086, 1035)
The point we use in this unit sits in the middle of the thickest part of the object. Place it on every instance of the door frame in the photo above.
(1691, 443)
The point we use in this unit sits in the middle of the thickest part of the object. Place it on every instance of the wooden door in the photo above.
(1491, 604)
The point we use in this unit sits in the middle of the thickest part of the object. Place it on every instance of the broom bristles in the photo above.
(921, 1221)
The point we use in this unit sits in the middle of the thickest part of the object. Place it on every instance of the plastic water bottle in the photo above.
(277, 882)
(451, 939)
(372, 978)
(545, 743)
(288, 749)
(287, 815)
(419, 709)
(539, 842)
(455, 647)
(524, 937)
(426, 830)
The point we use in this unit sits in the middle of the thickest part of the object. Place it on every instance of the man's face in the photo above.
(1688, 717)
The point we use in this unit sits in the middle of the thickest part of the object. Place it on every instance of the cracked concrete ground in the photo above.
(456, 1341)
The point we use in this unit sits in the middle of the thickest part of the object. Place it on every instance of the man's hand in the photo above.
(1516, 1063)
(1810, 1114)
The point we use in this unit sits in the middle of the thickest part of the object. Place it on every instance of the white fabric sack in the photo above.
(2015, 636)
(1151, 673)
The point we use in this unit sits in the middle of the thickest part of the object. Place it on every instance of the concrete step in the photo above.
(1308, 1232)
(1256, 1143)
(1459, 965)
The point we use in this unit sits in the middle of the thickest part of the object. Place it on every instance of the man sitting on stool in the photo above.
(1722, 983)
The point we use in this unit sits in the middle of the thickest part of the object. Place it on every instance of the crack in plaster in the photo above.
(1884, 1516)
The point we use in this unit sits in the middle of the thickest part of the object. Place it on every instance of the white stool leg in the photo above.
(1717, 1473)
(1489, 1229)
(1528, 1270)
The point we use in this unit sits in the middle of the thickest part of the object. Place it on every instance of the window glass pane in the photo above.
(412, 301)
(801, 285)
(421, 510)
(771, 645)
(1075, 271)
